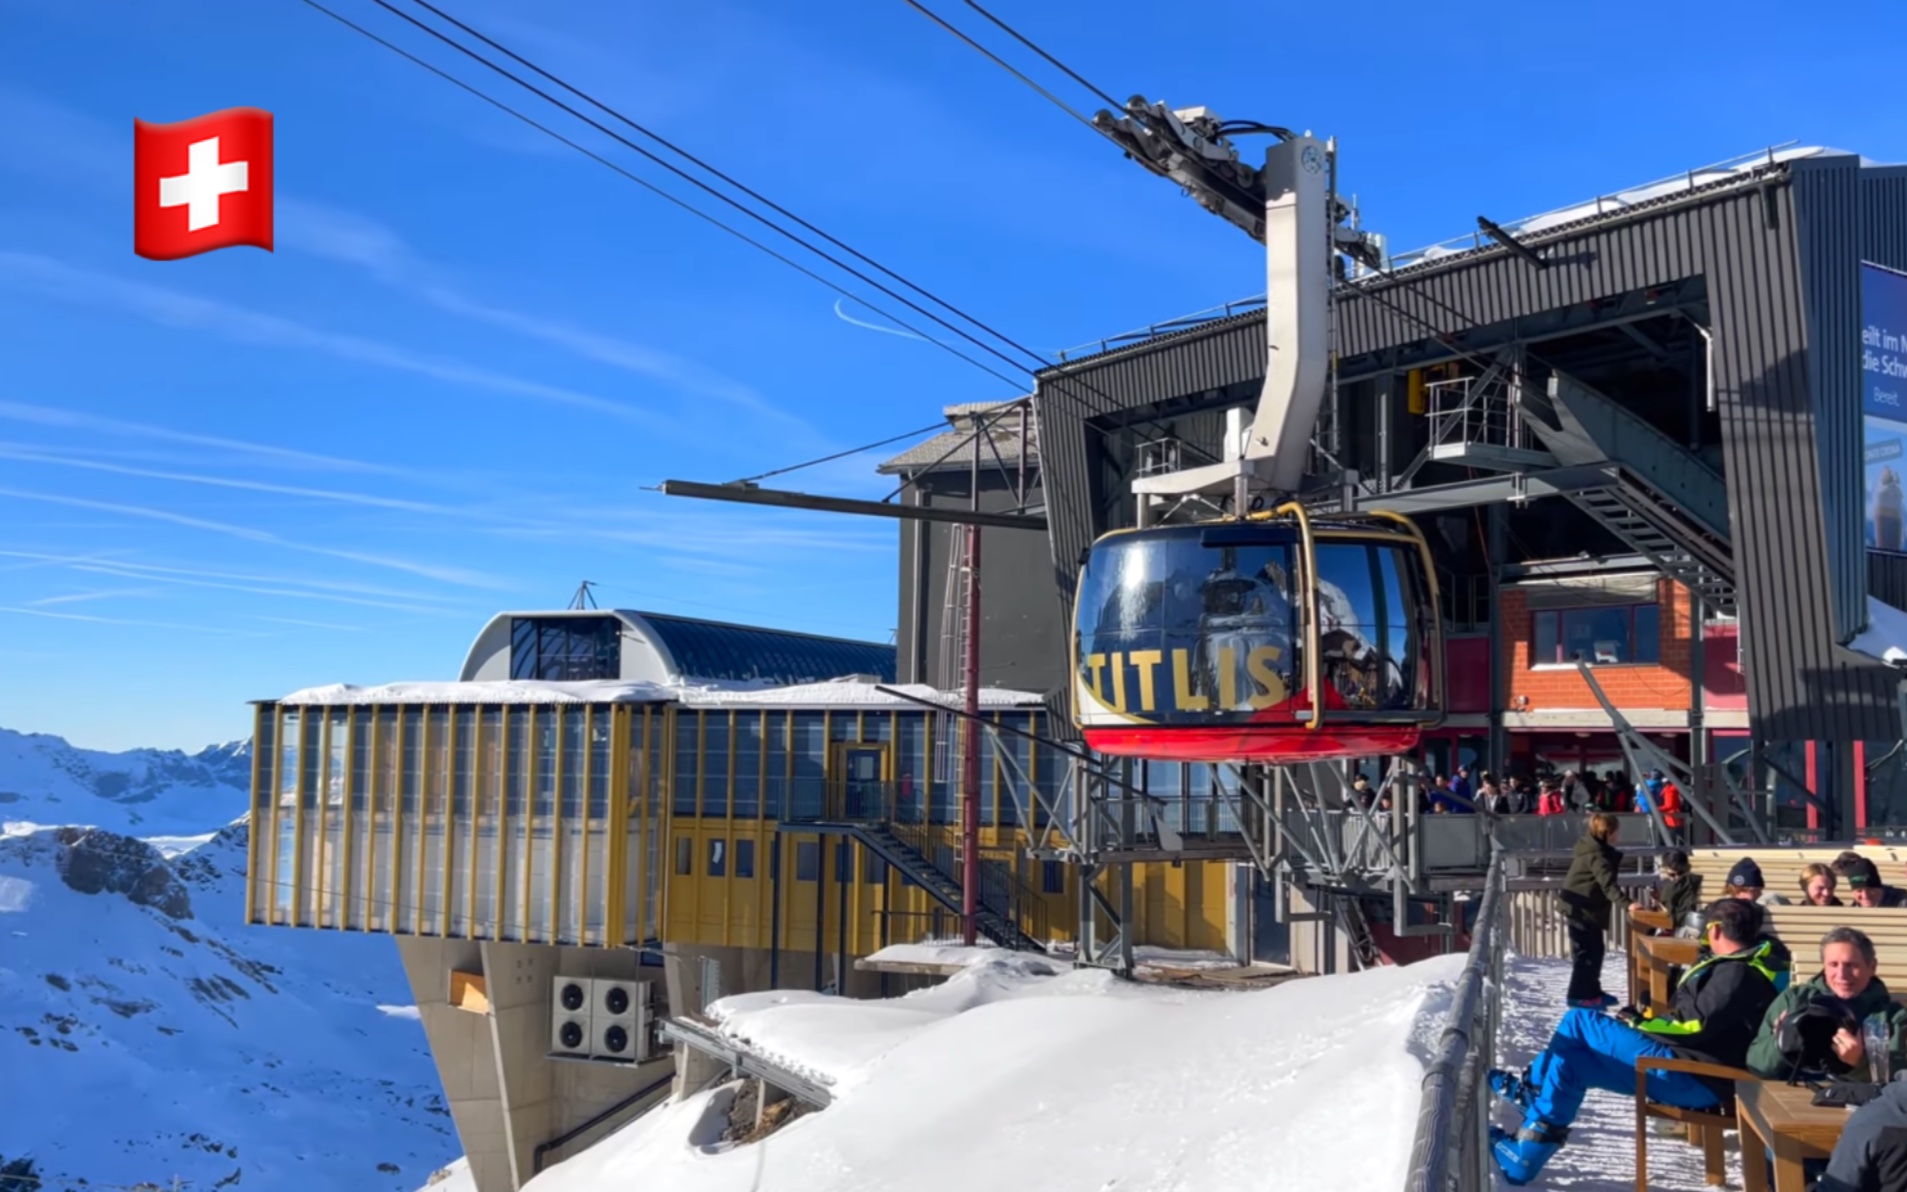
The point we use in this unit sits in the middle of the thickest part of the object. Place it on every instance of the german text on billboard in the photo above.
(1884, 405)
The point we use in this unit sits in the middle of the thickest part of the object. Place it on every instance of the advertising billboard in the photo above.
(1884, 406)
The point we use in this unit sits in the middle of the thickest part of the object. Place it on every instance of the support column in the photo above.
(519, 977)
(460, 1043)
(1498, 550)
(970, 747)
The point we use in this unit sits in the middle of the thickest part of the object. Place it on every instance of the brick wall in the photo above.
(1661, 686)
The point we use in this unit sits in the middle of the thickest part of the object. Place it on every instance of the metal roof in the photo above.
(713, 650)
(952, 450)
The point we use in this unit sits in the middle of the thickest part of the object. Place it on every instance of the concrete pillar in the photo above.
(519, 978)
(460, 1043)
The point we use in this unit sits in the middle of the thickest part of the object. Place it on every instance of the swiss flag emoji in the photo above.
(202, 184)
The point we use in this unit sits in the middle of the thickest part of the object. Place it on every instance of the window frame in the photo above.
(1629, 611)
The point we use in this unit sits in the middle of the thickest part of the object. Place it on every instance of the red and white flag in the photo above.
(202, 184)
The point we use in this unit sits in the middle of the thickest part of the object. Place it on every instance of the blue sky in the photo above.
(232, 476)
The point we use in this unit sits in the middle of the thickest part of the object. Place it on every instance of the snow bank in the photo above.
(513, 691)
(834, 693)
(1006, 1076)
(849, 693)
(1885, 637)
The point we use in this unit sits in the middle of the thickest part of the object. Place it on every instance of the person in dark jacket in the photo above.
(1847, 972)
(1872, 1153)
(1589, 892)
(1680, 892)
(1864, 884)
(1713, 1017)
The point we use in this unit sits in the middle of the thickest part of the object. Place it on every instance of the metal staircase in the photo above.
(1662, 500)
(996, 917)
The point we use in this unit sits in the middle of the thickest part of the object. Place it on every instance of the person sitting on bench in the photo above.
(1718, 1005)
(1847, 973)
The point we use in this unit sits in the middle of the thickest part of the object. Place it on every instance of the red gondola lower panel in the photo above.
(1252, 743)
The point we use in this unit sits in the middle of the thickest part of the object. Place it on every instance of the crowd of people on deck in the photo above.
(1470, 791)
(1741, 1004)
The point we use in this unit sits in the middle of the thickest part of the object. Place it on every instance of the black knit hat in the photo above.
(1746, 875)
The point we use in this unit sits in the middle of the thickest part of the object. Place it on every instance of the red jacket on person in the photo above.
(1550, 803)
(1671, 806)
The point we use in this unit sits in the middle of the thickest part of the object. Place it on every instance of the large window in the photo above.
(1606, 636)
(565, 649)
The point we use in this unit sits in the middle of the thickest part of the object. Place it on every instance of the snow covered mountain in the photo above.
(148, 792)
(148, 1034)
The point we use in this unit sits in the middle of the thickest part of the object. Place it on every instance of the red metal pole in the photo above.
(970, 750)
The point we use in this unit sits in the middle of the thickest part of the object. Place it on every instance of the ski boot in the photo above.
(1521, 1156)
(1513, 1088)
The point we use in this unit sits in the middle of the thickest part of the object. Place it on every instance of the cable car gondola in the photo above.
(1278, 638)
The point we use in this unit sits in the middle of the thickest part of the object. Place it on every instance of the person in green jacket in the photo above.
(1589, 892)
(1847, 972)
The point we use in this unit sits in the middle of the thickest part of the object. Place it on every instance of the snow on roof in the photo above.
(1885, 637)
(856, 692)
(1618, 201)
(848, 692)
(1013, 1074)
(512, 691)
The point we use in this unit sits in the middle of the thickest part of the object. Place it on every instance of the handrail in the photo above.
(1464, 1051)
(1314, 662)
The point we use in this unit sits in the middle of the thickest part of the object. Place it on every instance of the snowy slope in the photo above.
(147, 792)
(1018, 1074)
(146, 1033)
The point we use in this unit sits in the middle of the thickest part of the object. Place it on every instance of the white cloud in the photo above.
(353, 239)
(76, 420)
(451, 575)
(173, 308)
(40, 612)
(82, 597)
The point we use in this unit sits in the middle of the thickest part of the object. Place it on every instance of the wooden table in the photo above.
(1782, 1118)
(1656, 955)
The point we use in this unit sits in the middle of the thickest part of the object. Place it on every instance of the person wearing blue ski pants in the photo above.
(1591, 1050)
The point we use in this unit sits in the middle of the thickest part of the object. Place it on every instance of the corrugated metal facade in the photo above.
(1745, 238)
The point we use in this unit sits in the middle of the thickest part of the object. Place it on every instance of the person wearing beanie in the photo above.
(1864, 883)
(1745, 882)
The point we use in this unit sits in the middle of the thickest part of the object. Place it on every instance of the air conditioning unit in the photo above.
(601, 1019)
(619, 1021)
(571, 999)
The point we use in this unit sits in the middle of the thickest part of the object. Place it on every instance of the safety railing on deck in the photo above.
(1520, 913)
(1451, 1145)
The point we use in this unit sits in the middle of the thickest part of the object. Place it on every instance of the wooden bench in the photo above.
(1781, 867)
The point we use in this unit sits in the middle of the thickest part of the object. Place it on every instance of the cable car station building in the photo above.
(1608, 489)
(614, 817)
(1632, 433)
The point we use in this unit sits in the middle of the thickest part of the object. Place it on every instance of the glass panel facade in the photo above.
(462, 822)
(258, 905)
(688, 760)
(744, 858)
(748, 764)
(910, 766)
(565, 649)
(779, 766)
(808, 797)
(715, 725)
